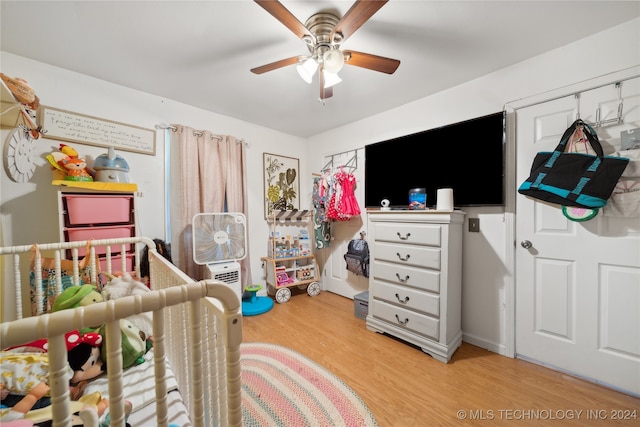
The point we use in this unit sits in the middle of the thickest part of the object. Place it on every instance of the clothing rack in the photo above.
(351, 163)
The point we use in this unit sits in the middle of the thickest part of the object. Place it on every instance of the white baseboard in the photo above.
(482, 343)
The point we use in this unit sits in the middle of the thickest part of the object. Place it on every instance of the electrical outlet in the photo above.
(474, 225)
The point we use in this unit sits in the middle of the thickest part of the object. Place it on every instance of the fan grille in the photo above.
(219, 237)
(228, 276)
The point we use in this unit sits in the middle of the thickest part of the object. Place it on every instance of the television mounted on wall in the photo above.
(468, 157)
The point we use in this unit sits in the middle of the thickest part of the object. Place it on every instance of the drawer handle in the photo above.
(401, 279)
(406, 320)
(406, 237)
(404, 301)
(403, 259)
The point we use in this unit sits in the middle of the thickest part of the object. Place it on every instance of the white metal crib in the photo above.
(197, 327)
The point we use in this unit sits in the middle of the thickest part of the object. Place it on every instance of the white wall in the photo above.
(487, 265)
(29, 211)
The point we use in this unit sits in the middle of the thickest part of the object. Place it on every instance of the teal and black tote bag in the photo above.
(572, 178)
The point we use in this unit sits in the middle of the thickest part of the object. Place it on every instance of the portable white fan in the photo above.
(219, 242)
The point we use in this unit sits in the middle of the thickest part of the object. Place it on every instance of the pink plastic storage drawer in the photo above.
(116, 264)
(86, 209)
(110, 232)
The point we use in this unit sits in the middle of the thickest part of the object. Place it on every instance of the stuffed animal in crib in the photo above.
(124, 285)
(135, 344)
(76, 170)
(25, 375)
(86, 363)
(77, 296)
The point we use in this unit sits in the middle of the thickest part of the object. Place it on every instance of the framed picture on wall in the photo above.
(281, 183)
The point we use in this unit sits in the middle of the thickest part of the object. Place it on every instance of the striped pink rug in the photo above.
(281, 387)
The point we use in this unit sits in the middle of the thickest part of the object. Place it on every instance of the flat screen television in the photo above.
(467, 157)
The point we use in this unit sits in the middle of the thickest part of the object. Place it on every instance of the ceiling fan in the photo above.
(323, 34)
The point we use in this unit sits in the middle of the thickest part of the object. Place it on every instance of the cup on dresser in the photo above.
(444, 199)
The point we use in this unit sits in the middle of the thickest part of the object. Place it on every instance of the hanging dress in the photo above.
(334, 195)
(322, 225)
(343, 204)
(348, 207)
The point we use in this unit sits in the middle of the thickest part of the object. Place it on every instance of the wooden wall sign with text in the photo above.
(82, 129)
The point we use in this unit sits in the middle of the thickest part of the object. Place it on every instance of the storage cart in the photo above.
(291, 260)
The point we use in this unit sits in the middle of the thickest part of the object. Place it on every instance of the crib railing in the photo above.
(196, 326)
(24, 264)
(210, 384)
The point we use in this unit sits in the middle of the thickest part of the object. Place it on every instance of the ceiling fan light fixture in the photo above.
(330, 79)
(324, 33)
(307, 69)
(333, 60)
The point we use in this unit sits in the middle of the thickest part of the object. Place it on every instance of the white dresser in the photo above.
(415, 278)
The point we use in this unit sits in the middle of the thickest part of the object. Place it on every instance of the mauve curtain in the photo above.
(208, 170)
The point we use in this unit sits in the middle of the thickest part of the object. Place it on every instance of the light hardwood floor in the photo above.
(405, 387)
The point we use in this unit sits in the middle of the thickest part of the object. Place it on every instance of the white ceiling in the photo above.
(200, 52)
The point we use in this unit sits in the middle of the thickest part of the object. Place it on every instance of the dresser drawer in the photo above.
(419, 256)
(416, 234)
(407, 298)
(407, 319)
(420, 278)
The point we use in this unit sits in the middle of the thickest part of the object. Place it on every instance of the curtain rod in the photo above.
(164, 126)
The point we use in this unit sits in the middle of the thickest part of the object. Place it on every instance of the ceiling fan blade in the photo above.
(359, 13)
(278, 64)
(325, 92)
(372, 62)
(283, 15)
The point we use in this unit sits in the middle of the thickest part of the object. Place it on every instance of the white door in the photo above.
(578, 285)
(335, 277)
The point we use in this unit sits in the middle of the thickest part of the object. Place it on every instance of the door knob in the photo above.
(526, 244)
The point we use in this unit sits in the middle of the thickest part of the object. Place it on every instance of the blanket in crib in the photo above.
(138, 384)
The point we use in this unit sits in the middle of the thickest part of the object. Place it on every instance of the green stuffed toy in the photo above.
(134, 344)
(77, 296)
